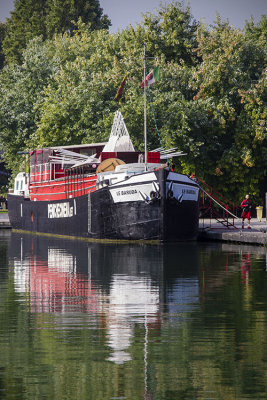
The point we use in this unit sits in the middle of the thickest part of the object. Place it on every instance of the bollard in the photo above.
(259, 212)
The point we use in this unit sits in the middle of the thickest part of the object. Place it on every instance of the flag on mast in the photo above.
(120, 90)
(152, 77)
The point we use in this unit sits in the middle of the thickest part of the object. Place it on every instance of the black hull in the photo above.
(97, 216)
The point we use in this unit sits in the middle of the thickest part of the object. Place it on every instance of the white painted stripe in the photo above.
(140, 178)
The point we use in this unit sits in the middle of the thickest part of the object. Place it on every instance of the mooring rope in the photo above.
(225, 209)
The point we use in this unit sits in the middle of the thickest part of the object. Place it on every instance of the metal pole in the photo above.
(145, 133)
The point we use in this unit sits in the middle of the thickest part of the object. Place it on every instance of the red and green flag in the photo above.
(152, 77)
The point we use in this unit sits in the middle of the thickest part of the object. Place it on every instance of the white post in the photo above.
(145, 133)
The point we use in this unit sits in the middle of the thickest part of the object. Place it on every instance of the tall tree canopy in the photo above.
(232, 70)
(32, 18)
(2, 36)
(210, 101)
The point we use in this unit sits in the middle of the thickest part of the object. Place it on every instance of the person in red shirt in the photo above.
(246, 206)
(173, 167)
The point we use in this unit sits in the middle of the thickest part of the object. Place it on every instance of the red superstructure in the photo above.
(50, 180)
(57, 180)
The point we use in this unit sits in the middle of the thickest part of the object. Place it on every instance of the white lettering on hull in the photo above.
(60, 210)
(131, 193)
(182, 191)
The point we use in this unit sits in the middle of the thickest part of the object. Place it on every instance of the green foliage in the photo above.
(172, 32)
(257, 33)
(62, 15)
(21, 90)
(2, 36)
(32, 18)
(210, 101)
(230, 75)
(26, 21)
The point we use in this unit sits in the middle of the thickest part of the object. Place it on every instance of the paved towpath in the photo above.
(4, 221)
(210, 229)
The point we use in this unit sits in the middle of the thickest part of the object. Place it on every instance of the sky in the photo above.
(125, 12)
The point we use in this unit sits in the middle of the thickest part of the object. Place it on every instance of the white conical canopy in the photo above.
(119, 139)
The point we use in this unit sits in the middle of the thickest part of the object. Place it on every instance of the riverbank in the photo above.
(4, 221)
(210, 229)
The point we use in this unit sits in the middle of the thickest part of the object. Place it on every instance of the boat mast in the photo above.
(145, 133)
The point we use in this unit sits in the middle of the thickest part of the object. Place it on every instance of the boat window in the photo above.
(88, 152)
(40, 157)
(38, 167)
(33, 158)
(105, 182)
(33, 162)
(46, 156)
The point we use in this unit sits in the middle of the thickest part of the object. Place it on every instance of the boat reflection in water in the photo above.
(111, 287)
(133, 321)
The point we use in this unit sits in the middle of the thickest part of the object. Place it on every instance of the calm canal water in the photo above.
(93, 321)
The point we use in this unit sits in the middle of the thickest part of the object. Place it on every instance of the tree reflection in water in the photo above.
(177, 321)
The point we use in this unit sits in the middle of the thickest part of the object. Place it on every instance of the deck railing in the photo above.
(214, 205)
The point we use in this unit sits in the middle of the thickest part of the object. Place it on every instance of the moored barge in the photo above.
(104, 191)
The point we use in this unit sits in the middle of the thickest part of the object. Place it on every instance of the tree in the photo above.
(172, 32)
(21, 90)
(32, 18)
(60, 21)
(2, 36)
(257, 32)
(210, 101)
(26, 21)
(232, 67)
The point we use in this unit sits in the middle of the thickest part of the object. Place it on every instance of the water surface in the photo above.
(93, 321)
